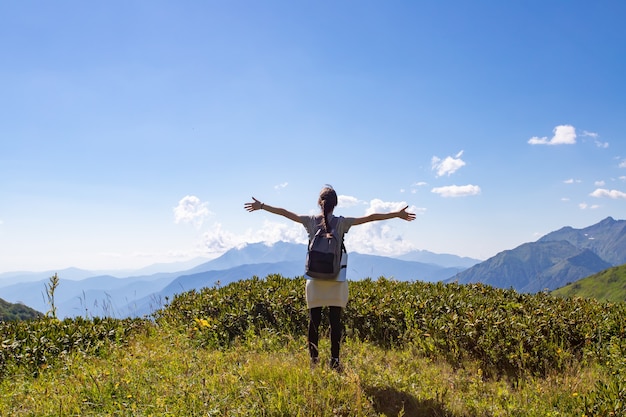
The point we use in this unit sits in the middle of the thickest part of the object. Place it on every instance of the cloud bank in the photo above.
(380, 238)
(217, 240)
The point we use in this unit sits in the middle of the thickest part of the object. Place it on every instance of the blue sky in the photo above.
(134, 131)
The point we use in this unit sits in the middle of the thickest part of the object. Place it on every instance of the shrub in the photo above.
(506, 331)
(30, 346)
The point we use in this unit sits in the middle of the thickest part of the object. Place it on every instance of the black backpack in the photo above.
(323, 259)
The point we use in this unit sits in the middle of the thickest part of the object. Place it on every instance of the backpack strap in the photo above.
(336, 221)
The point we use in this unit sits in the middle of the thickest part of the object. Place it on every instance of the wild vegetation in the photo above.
(411, 348)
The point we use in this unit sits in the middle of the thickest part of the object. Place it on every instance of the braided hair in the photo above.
(327, 202)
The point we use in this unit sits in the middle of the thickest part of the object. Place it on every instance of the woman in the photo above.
(326, 293)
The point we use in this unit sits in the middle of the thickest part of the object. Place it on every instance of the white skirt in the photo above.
(322, 293)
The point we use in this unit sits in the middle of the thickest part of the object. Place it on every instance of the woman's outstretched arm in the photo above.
(257, 205)
(401, 214)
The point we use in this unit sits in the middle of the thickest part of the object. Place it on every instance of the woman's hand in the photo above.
(255, 205)
(403, 214)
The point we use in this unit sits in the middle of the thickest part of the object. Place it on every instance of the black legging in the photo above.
(315, 318)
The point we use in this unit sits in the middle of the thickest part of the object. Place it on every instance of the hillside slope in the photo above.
(11, 312)
(608, 285)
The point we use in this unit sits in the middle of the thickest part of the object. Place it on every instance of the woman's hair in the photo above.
(327, 202)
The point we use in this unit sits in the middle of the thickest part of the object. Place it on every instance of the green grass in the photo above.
(411, 349)
(609, 285)
(161, 373)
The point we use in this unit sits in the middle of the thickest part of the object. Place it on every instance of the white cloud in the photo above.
(599, 183)
(602, 192)
(447, 166)
(281, 186)
(623, 178)
(590, 134)
(602, 144)
(217, 240)
(273, 232)
(457, 190)
(622, 164)
(380, 237)
(379, 206)
(191, 210)
(345, 201)
(563, 135)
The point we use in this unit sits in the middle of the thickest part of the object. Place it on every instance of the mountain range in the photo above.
(556, 259)
(84, 293)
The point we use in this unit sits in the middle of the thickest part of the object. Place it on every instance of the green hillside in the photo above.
(608, 285)
(10, 311)
(411, 349)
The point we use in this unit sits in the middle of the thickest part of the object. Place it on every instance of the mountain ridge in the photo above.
(606, 238)
(565, 255)
(137, 295)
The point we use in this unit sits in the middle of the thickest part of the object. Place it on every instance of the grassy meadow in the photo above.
(411, 349)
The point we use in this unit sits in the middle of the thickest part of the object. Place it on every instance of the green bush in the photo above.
(218, 316)
(508, 332)
(29, 346)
